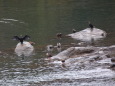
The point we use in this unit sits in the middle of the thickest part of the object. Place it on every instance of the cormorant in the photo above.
(21, 39)
(91, 26)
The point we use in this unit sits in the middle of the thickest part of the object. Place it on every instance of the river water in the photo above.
(41, 20)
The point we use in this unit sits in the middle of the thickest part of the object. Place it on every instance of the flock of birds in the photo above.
(26, 48)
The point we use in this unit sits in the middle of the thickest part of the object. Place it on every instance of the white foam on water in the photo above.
(83, 74)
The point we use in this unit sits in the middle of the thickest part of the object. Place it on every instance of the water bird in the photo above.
(91, 26)
(50, 48)
(81, 43)
(58, 47)
(48, 55)
(59, 35)
(21, 39)
(73, 30)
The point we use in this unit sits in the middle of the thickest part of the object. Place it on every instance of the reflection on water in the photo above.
(42, 20)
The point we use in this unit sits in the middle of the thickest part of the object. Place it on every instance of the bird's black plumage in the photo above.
(91, 26)
(21, 39)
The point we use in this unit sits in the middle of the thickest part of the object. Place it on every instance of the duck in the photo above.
(23, 47)
(50, 48)
(59, 35)
(48, 55)
(73, 30)
(58, 47)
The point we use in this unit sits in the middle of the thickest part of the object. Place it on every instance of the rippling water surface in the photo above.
(42, 19)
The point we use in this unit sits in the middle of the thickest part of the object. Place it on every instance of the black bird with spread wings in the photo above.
(21, 39)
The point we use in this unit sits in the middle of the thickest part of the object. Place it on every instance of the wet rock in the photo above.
(82, 50)
(64, 54)
(85, 55)
(88, 35)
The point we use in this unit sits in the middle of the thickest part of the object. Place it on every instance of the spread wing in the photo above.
(26, 37)
(16, 38)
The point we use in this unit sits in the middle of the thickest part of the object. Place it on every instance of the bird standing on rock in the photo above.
(91, 26)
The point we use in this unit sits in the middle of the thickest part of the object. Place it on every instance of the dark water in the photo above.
(42, 19)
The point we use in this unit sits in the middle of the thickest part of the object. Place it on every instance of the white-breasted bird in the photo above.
(59, 47)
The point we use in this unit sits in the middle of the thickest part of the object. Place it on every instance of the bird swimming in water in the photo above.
(50, 48)
(59, 47)
(59, 35)
(21, 39)
(48, 55)
(73, 30)
(91, 26)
